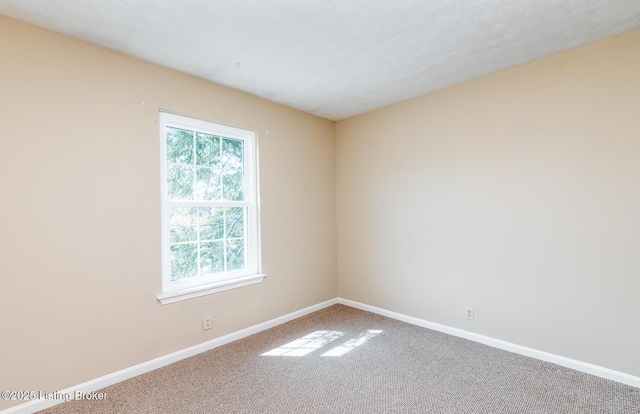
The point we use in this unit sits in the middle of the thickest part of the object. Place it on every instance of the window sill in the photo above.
(184, 294)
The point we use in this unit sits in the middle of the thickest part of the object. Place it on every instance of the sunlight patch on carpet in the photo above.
(306, 344)
(353, 343)
(318, 339)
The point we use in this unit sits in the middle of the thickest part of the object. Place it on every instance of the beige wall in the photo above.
(517, 194)
(80, 214)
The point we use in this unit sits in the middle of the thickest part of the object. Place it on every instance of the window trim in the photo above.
(205, 285)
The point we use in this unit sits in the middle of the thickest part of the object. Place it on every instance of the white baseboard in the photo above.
(507, 346)
(110, 379)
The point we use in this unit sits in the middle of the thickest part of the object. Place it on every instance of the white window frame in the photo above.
(204, 285)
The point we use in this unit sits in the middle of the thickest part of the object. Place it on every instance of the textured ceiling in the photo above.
(334, 58)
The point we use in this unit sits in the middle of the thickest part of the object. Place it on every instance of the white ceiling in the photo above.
(334, 58)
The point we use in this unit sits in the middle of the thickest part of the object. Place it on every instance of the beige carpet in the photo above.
(343, 360)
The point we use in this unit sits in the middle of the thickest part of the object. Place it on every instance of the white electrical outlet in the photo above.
(206, 323)
(468, 313)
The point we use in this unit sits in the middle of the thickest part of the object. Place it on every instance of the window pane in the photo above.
(234, 222)
(211, 223)
(211, 258)
(179, 182)
(183, 224)
(207, 150)
(233, 185)
(232, 154)
(179, 146)
(235, 254)
(184, 261)
(208, 184)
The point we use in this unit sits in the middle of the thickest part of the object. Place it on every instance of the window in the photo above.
(209, 208)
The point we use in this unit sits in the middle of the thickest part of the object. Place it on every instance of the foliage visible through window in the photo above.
(205, 240)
